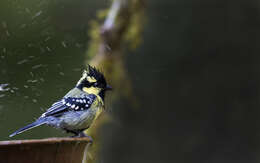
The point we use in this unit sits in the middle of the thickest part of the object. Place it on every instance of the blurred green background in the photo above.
(196, 76)
(42, 49)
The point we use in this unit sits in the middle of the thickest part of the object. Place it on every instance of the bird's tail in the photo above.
(28, 127)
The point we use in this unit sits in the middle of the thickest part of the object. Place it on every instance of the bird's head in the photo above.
(93, 82)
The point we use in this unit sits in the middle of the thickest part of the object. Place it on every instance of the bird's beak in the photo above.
(108, 88)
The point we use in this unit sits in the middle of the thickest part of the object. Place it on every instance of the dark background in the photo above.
(196, 76)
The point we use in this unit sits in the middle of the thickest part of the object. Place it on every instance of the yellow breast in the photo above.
(95, 91)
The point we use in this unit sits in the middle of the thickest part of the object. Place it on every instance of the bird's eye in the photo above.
(95, 84)
(86, 83)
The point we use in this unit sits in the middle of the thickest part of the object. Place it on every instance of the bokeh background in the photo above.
(195, 76)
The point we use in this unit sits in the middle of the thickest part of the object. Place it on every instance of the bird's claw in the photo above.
(83, 135)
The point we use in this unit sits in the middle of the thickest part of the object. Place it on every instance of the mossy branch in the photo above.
(121, 25)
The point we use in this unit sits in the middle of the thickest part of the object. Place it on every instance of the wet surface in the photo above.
(63, 150)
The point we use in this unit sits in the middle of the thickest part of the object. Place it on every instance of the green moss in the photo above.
(111, 62)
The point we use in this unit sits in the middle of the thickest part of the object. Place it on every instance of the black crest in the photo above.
(93, 78)
(95, 73)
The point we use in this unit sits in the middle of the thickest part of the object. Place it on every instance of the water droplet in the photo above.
(32, 81)
(63, 44)
(15, 88)
(2, 95)
(37, 14)
(22, 61)
(37, 66)
(47, 38)
(7, 33)
(48, 48)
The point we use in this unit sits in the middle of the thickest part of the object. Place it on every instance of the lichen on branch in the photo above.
(114, 30)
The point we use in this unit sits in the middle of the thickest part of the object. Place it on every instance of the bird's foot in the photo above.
(83, 135)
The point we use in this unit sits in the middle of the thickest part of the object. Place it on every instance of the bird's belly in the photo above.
(78, 120)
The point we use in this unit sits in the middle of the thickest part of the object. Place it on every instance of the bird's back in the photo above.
(79, 120)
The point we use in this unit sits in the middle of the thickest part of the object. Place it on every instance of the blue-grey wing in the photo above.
(70, 104)
(57, 107)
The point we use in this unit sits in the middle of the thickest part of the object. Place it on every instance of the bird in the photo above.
(79, 108)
